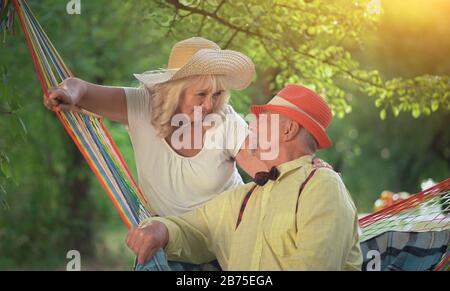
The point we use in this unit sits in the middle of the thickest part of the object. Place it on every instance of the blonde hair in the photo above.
(165, 99)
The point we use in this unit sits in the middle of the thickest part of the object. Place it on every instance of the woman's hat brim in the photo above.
(236, 67)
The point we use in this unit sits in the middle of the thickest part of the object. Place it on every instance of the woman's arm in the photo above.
(73, 94)
(249, 163)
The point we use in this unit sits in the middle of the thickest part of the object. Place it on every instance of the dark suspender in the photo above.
(300, 192)
(249, 193)
(244, 204)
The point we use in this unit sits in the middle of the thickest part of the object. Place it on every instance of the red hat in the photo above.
(303, 106)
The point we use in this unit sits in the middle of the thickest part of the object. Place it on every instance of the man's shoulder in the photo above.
(322, 177)
(327, 174)
(318, 172)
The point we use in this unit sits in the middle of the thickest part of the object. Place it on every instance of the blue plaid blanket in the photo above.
(395, 250)
(405, 251)
(159, 262)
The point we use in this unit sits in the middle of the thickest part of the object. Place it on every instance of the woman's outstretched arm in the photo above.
(74, 94)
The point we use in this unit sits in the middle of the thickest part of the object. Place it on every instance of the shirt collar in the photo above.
(294, 165)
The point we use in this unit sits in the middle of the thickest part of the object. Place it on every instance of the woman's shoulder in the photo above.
(137, 92)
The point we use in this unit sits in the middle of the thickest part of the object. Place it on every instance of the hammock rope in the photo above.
(426, 211)
(87, 131)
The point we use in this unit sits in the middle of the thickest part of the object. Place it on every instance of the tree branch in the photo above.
(214, 16)
(237, 29)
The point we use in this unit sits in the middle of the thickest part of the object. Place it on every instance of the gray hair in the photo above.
(309, 140)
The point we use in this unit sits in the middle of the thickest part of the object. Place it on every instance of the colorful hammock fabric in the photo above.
(88, 132)
(413, 234)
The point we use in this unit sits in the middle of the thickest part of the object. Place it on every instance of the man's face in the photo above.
(267, 137)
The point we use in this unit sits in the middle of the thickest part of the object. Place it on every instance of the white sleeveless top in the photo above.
(174, 184)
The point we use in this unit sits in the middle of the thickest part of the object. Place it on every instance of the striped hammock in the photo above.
(413, 234)
(87, 131)
(424, 213)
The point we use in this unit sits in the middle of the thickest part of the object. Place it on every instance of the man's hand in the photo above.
(146, 240)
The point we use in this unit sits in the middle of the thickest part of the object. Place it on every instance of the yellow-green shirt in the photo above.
(321, 235)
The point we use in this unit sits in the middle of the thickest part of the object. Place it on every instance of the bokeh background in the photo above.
(382, 65)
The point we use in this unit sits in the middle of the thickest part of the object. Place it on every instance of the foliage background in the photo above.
(384, 68)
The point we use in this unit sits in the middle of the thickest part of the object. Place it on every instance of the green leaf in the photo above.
(371, 90)
(383, 114)
(24, 128)
(5, 169)
(434, 106)
(311, 30)
(395, 111)
(416, 112)
(378, 103)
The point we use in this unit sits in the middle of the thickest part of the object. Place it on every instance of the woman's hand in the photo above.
(319, 163)
(74, 95)
(249, 163)
(66, 96)
(146, 240)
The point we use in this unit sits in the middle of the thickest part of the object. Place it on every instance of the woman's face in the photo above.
(200, 95)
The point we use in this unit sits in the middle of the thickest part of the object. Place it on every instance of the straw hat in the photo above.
(303, 106)
(199, 56)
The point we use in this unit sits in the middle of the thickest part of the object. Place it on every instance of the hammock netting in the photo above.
(411, 231)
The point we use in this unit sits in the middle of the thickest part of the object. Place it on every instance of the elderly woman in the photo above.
(177, 176)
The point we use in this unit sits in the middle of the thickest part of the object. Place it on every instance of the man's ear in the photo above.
(290, 130)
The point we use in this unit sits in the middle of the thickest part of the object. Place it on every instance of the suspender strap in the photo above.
(244, 204)
(300, 192)
(249, 194)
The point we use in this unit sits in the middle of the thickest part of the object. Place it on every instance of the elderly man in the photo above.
(298, 216)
